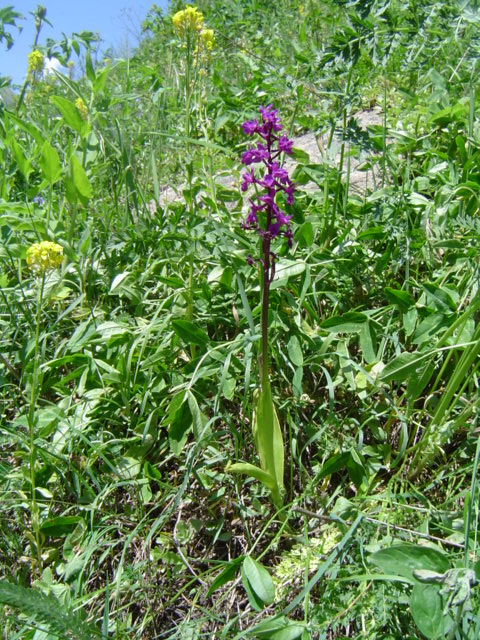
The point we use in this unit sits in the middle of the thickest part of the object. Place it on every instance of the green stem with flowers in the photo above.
(39, 16)
(269, 221)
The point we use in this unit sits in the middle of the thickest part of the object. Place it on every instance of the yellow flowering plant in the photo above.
(187, 21)
(36, 62)
(207, 40)
(44, 256)
(82, 108)
(189, 26)
(196, 43)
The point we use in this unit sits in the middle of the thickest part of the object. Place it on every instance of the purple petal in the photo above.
(250, 127)
(285, 145)
(248, 179)
(256, 154)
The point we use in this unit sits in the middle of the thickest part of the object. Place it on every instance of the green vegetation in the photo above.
(130, 320)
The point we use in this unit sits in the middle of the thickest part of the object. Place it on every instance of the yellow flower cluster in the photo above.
(82, 108)
(44, 256)
(187, 21)
(207, 39)
(190, 22)
(36, 62)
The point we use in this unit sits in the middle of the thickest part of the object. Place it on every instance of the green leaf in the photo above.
(226, 575)
(402, 559)
(446, 116)
(259, 580)
(280, 628)
(467, 189)
(22, 161)
(127, 468)
(149, 471)
(189, 332)
(253, 599)
(269, 440)
(402, 366)
(368, 342)
(441, 297)
(305, 234)
(419, 379)
(112, 329)
(334, 464)
(70, 114)
(295, 351)
(356, 470)
(374, 233)
(287, 269)
(253, 471)
(431, 326)
(402, 299)
(297, 382)
(300, 156)
(89, 70)
(427, 607)
(50, 163)
(350, 322)
(180, 420)
(60, 526)
(79, 177)
(100, 80)
(30, 128)
(199, 419)
(410, 321)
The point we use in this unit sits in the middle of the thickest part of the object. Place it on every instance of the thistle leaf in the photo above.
(47, 610)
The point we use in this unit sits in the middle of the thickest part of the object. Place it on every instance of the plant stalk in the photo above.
(39, 17)
(32, 420)
(265, 304)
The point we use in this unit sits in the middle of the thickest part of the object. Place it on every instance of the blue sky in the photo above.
(117, 22)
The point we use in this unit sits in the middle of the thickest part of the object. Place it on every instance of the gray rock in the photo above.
(360, 165)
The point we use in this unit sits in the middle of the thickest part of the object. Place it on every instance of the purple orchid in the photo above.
(271, 186)
(275, 179)
(265, 215)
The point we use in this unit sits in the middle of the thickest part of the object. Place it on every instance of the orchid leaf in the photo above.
(255, 472)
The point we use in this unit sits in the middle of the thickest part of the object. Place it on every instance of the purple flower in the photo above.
(285, 145)
(248, 179)
(268, 181)
(270, 118)
(250, 127)
(289, 191)
(281, 220)
(280, 174)
(252, 219)
(256, 154)
(268, 199)
(38, 200)
(265, 216)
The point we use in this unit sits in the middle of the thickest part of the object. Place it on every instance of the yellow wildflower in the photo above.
(44, 256)
(36, 62)
(207, 39)
(189, 20)
(82, 108)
